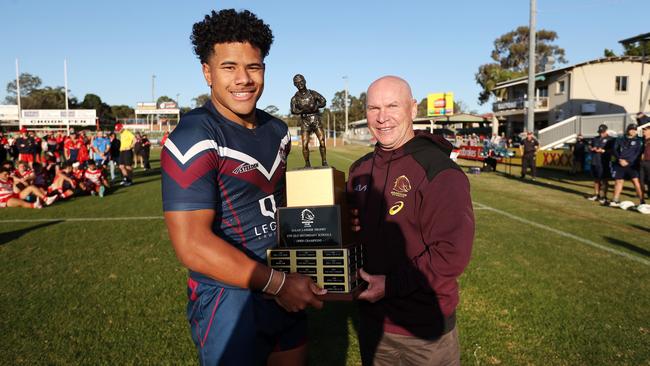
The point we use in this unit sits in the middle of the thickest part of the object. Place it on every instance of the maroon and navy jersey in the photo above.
(209, 162)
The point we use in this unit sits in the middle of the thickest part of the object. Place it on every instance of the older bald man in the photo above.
(415, 218)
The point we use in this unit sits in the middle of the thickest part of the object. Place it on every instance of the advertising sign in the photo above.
(9, 113)
(440, 104)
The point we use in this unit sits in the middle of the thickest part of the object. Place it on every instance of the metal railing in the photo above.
(567, 130)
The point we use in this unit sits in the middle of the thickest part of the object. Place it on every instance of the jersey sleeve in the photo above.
(190, 163)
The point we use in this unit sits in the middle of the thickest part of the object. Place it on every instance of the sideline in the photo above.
(565, 234)
(76, 219)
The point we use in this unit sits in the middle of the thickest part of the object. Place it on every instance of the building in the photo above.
(613, 85)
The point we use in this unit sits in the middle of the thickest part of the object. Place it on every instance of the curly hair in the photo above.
(228, 26)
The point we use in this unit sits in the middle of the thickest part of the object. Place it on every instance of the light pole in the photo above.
(345, 102)
(178, 105)
(153, 88)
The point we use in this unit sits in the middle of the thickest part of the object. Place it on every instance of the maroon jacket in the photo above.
(417, 229)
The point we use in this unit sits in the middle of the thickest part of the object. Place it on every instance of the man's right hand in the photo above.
(298, 292)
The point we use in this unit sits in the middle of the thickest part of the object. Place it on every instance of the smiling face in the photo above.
(235, 72)
(390, 111)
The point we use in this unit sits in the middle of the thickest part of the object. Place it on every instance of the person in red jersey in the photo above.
(23, 175)
(8, 195)
(94, 180)
(64, 184)
(82, 150)
(413, 211)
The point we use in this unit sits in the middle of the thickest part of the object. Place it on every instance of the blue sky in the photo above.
(113, 47)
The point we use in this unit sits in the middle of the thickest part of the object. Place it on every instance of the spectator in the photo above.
(601, 151)
(578, 154)
(528, 150)
(644, 178)
(101, 149)
(627, 151)
(145, 152)
(137, 151)
(70, 148)
(4, 147)
(114, 154)
(24, 147)
(82, 148)
(127, 141)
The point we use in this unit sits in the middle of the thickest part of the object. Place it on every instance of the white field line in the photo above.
(76, 219)
(565, 234)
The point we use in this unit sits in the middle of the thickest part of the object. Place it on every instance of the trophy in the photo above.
(314, 238)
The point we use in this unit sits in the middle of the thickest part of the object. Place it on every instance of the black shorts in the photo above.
(624, 172)
(126, 157)
(599, 172)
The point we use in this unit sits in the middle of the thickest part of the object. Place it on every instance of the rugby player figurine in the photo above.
(223, 176)
(307, 103)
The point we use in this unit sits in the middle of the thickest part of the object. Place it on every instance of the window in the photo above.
(621, 83)
(543, 91)
(561, 86)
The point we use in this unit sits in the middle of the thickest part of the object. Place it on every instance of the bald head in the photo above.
(390, 110)
(392, 82)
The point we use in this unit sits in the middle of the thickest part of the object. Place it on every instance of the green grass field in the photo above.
(554, 280)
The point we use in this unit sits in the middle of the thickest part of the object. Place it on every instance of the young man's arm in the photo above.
(199, 249)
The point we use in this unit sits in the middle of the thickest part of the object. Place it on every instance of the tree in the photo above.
(608, 53)
(122, 111)
(163, 99)
(28, 83)
(422, 108)
(200, 100)
(272, 110)
(510, 54)
(636, 49)
(93, 101)
(47, 98)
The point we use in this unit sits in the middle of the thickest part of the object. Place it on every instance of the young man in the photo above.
(64, 184)
(222, 178)
(114, 152)
(10, 196)
(94, 181)
(627, 151)
(24, 145)
(601, 151)
(127, 141)
(101, 149)
(528, 150)
(644, 178)
(417, 225)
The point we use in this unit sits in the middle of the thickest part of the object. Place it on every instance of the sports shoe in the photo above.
(50, 200)
(126, 184)
(603, 200)
(594, 198)
(37, 204)
(102, 189)
(614, 204)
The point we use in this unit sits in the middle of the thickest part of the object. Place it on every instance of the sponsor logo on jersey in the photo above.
(361, 188)
(401, 187)
(397, 207)
(245, 167)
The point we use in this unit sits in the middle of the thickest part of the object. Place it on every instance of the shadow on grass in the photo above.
(624, 244)
(642, 228)
(6, 238)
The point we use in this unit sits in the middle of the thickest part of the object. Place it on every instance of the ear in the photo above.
(414, 108)
(206, 73)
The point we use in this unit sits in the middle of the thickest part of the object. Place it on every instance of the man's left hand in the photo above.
(376, 287)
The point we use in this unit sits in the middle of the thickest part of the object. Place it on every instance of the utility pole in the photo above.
(346, 103)
(530, 123)
(178, 105)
